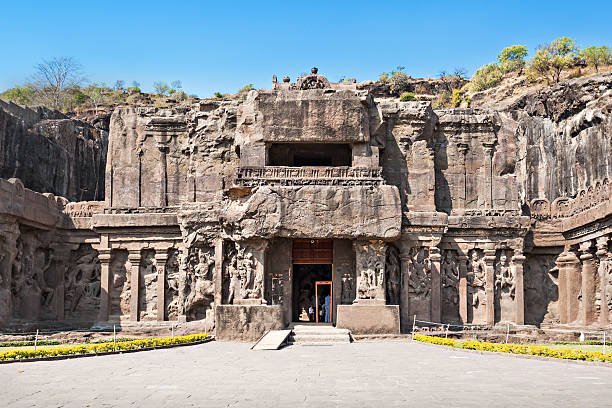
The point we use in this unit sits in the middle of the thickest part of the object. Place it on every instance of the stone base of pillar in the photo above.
(369, 319)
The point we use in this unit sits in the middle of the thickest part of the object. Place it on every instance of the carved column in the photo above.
(519, 294)
(218, 273)
(587, 283)
(436, 298)
(602, 255)
(104, 255)
(489, 258)
(163, 149)
(463, 292)
(488, 176)
(405, 310)
(462, 193)
(134, 265)
(161, 257)
(568, 263)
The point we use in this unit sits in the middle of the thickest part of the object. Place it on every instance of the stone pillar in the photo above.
(461, 196)
(489, 258)
(218, 273)
(104, 255)
(519, 291)
(161, 257)
(134, 265)
(436, 295)
(588, 280)
(568, 263)
(405, 310)
(487, 190)
(463, 292)
(602, 255)
(163, 149)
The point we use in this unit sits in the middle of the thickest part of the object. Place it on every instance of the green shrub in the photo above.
(486, 77)
(512, 58)
(407, 96)
(456, 98)
(442, 101)
(26, 343)
(101, 347)
(543, 351)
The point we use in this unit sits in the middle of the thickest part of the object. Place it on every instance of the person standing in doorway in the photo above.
(311, 313)
(327, 307)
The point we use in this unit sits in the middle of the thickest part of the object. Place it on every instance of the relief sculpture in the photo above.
(476, 278)
(82, 283)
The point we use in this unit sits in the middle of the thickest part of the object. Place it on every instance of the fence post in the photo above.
(114, 338)
(413, 325)
(507, 333)
(36, 340)
(446, 333)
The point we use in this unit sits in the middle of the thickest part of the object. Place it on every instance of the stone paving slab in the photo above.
(370, 374)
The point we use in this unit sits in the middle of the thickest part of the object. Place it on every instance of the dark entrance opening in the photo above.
(312, 293)
(309, 154)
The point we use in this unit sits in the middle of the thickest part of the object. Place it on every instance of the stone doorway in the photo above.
(311, 285)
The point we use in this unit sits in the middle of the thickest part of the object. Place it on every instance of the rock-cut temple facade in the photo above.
(313, 196)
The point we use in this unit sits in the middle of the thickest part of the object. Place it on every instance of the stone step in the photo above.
(319, 334)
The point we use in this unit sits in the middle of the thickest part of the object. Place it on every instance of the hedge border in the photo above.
(519, 349)
(101, 349)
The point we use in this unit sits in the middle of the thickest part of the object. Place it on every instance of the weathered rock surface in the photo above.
(51, 153)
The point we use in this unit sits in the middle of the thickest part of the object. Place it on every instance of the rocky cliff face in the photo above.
(564, 137)
(52, 153)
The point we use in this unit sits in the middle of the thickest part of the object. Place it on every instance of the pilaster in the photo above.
(463, 290)
(519, 295)
(602, 255)
(436, 295)
(134, 265)
(489, 258)
(588, 279)
(104, 255)
(161, 257)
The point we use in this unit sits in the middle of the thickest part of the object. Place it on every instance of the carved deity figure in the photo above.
(605, 271)
(450, 277)
(148, 285)
(371, 279)
(82, 280)
(419, 279)
(347, 295)
(504, 278)
(477, 279)
(393, 276)
(234, 277)
(202, 289)
(173, 284)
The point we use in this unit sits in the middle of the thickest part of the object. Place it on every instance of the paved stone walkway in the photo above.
(372, 374)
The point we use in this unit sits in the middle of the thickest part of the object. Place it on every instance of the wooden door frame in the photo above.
(331, 298)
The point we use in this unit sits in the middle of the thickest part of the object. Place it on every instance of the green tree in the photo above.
(486, 77)
(23, 95)
(512, 58)
(161, 88)
(597, 56)
(95, 92)
(552, 59)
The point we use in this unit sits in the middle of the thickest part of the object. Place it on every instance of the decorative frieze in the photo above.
(308, 176)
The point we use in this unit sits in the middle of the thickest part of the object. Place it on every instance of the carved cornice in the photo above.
(303, 176)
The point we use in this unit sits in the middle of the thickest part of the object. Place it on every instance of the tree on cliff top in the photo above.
(512, 58)
(552, 59)
(597, 56)
(54, 77)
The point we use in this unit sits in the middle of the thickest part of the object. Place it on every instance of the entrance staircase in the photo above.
(318, 334)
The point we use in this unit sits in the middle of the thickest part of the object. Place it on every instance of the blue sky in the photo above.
(222, 45)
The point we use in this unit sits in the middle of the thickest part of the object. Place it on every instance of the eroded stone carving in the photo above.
(174, 285)
(449, 273)
(148, 286)
(371, 271)
(348, 290)
(200, 288)
(82, 283)
(394, 277)
(476, 279)
(419, 280)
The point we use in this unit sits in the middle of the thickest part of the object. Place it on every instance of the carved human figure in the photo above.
(82, 280)
(393, 276)
(419, 280)
(173, 284)
(450, 277)
(504, 278)
(202, 290)
(477, 279)
(347, 289)
(234, 278)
